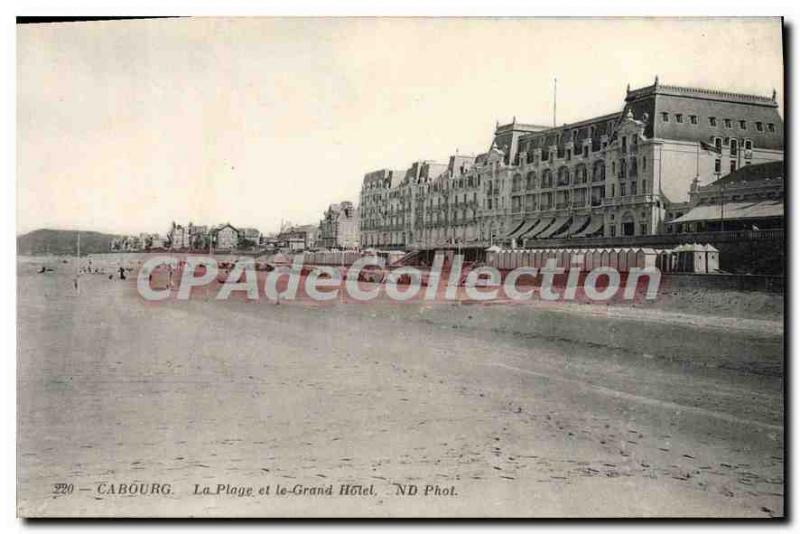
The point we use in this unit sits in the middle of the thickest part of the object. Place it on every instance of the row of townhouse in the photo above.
(339, 227)
(221, 237)
(143, 241)
(621, 174)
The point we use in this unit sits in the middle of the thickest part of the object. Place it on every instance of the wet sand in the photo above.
(525, 411)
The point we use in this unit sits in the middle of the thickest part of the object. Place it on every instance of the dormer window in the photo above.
(693, 119)
(712, 121)
(771, 128)
(679, 118)
(760, 126)
(742, 125)
(728, 123)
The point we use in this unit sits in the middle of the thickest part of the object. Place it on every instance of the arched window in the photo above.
(530, 180)
(599, 171)
(547, 178)
(516, 183)
(563, 176)
(580, 174)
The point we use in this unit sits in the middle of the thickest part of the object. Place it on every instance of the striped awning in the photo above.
(578, 222)
(524, 227)
(557, 225)
(533, 231)
(595, 224)
(516, 229)
(731, 211)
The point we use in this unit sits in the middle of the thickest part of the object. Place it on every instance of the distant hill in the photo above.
(62, 242)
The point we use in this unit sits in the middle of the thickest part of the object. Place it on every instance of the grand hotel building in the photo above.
(623, 174)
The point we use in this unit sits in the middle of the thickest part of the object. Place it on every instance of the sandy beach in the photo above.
(502, 410)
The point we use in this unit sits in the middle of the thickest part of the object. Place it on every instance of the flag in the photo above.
(711, 148)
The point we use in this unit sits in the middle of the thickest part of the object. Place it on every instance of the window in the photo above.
(643, 228)
(771, 127)
(717, 165)
(622, 190)
(733, 165)
(712, 121)
(693, 119)
(748, 144)
(665, 117)
(727, 123)
(633, 188)
(679, 118)
(742, 125)
(734, 147)
(760, 126)
(718, 144)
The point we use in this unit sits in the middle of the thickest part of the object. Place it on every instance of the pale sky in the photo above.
(124, 126)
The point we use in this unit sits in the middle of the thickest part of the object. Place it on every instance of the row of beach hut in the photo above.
(691, 258)
(331, 257)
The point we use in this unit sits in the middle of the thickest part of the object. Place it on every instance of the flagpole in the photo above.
(555, 98)
(78, 265)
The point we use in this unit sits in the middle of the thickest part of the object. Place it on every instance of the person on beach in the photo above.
(121, 273)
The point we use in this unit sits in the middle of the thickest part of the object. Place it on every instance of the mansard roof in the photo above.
(705, 104)
(647, 104)
(772, 170)
(559, 135)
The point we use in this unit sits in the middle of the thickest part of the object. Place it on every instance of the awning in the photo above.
(595, 224)
(731, 211)
(541, 225)
(524, 227)
(557, 225)
(578, 222)
(516, 229)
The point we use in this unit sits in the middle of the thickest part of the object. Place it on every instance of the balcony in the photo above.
(629, 199)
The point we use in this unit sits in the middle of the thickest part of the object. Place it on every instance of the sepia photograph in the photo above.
(400, 267)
